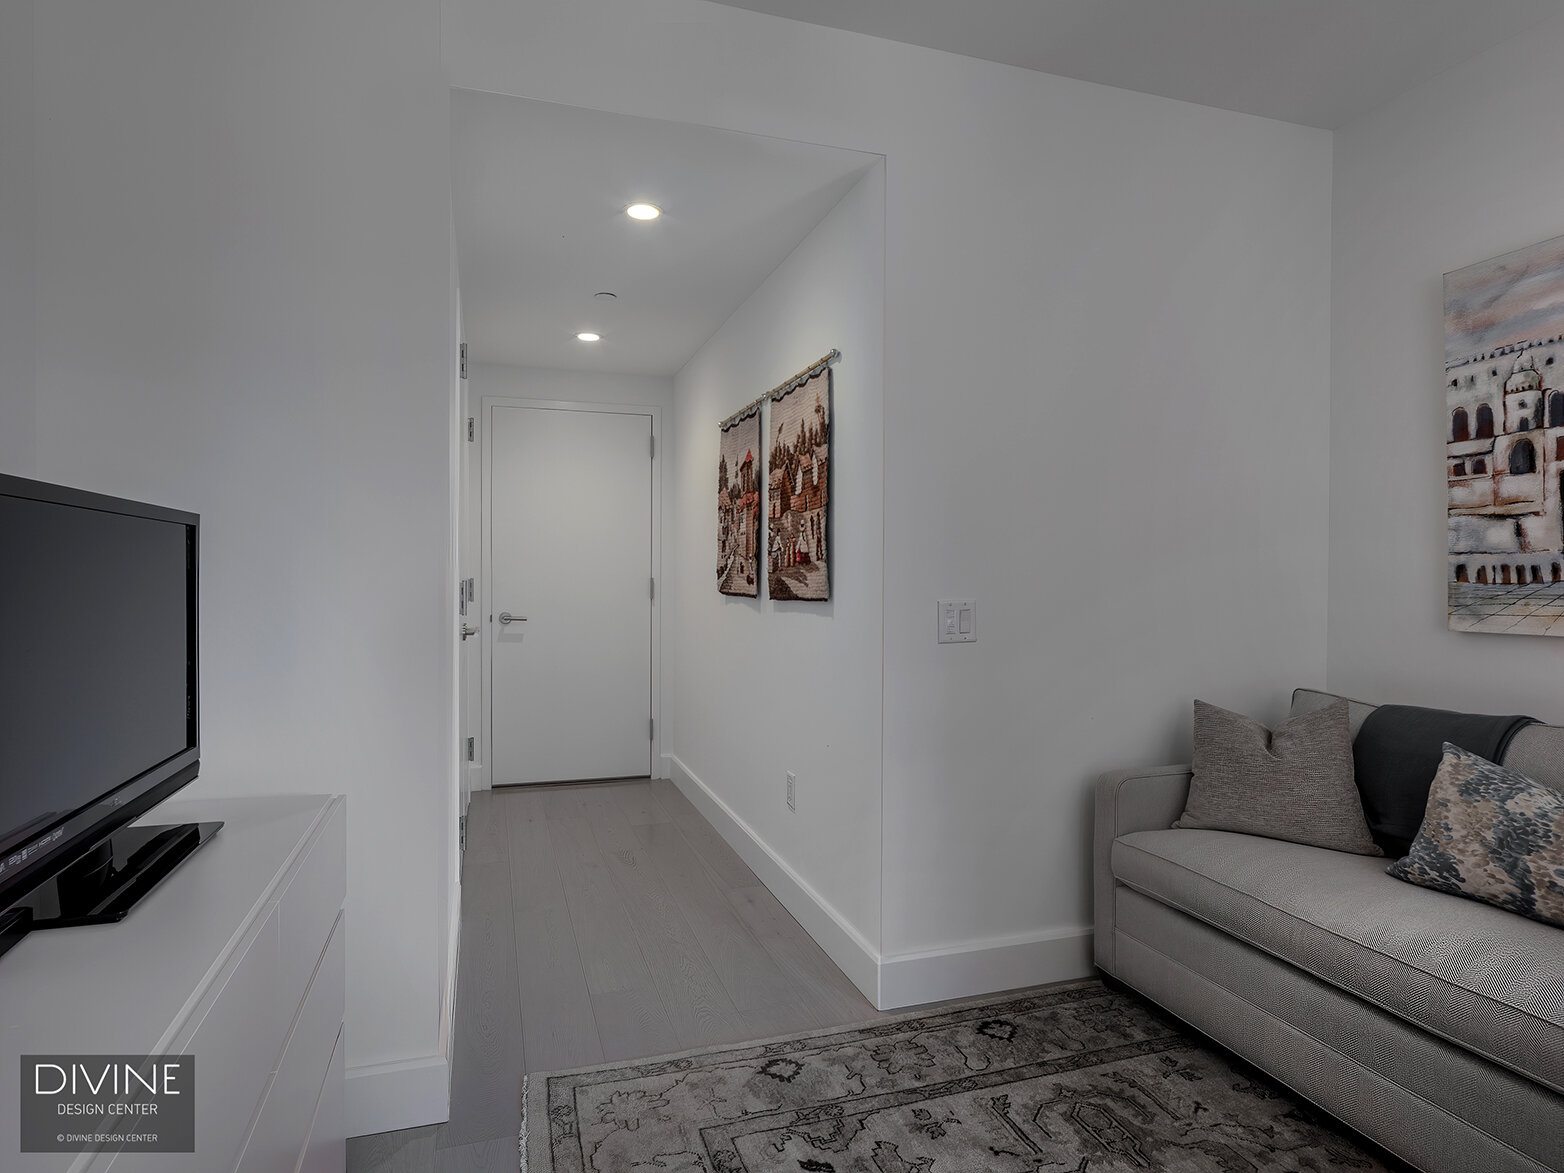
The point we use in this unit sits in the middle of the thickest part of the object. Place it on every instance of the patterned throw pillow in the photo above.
(1294, 784)
(1490, 834)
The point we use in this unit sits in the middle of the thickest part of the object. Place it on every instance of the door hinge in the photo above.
(651, 447)
(651, 729)
(472, 752)
(461, 832)
(464, 360)
(654, 587)
(469, 429)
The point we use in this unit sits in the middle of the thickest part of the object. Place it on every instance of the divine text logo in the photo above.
(138, 1103)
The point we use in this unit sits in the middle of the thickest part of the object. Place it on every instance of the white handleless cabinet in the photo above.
(237, 959)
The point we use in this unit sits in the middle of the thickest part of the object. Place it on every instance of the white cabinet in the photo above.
(236, 958)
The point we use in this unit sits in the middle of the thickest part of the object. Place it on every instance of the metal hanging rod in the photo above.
(782, 389)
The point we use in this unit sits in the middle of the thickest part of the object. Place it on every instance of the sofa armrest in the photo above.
(1148, 799)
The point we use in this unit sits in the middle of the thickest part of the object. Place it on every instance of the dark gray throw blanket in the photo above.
(1397, 753)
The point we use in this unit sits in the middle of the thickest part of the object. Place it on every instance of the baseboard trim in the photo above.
(967, 970)
(985, 967)
(385, 1097)
(843, 944)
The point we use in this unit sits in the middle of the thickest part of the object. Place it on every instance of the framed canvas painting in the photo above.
(1504, 442)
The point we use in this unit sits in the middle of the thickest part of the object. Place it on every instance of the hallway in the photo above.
(603, 921)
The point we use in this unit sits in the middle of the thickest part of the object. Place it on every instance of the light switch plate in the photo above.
(956, 621)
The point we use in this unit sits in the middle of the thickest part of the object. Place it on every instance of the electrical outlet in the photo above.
(792, 791)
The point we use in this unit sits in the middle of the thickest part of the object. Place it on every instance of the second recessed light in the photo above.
(588, 336)
(643, 211)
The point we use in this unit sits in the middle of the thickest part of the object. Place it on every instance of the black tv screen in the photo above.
(98, 668)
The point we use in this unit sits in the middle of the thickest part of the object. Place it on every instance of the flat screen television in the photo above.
(99, 690)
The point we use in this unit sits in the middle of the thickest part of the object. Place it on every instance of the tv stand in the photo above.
(235, 958)
(106, 882)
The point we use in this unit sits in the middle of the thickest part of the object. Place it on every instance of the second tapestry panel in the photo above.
(798, 486)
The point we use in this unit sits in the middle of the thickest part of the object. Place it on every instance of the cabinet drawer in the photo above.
(308, 907)
(326, 1151)
(284, 1120)
(239, 1027)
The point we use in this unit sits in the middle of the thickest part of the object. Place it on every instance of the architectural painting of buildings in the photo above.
(1504, 442)
(798, 469)
(738, 508)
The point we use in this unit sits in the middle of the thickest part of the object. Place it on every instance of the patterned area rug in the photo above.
(1069, 1079)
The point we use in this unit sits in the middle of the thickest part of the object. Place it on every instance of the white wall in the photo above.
(243, 309)
(765, 687)
(500, 380)
(1105, 417)
(18, 270)
(1463, 168)
(1109, 331)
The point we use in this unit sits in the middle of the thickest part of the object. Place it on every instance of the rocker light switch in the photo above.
(957, 621)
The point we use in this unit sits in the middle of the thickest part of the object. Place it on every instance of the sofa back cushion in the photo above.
(1307, 700)
(1536, 750)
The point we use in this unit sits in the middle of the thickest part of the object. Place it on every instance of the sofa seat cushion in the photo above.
(1485, 979)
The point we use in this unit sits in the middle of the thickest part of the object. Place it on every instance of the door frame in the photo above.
(484, 779)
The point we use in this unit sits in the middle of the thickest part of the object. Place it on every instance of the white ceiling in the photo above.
(1315, 62)
(540, 190)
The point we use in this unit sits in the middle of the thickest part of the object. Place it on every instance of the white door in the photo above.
(570, 542)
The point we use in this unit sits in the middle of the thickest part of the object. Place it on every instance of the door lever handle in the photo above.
(507, 617)
(466, 631)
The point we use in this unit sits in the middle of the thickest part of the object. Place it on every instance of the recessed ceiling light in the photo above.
(606, 296)
(643, 211)
(588, 336)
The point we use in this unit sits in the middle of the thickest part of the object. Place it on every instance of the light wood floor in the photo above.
(600, 922)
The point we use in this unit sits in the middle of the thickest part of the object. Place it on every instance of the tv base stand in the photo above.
(105, 883)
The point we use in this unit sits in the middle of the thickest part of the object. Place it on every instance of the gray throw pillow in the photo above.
(1294, 784)
(1490, 834)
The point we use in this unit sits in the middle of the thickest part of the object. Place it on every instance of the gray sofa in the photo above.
(1432, 1024)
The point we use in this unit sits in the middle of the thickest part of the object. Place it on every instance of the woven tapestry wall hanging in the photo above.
(738, 505)
(798, 488)
(1504, 442)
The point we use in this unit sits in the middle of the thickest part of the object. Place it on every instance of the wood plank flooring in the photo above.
(603, 921)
